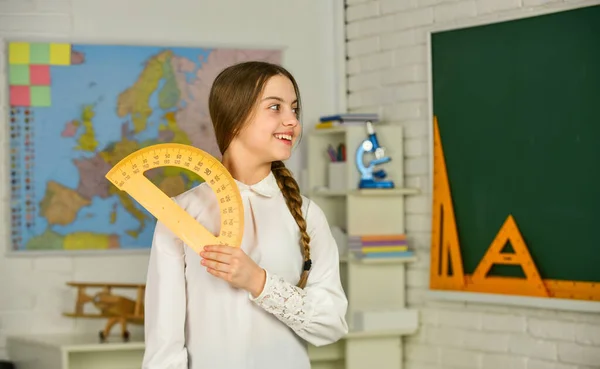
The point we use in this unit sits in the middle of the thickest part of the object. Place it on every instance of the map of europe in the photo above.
(77, 109)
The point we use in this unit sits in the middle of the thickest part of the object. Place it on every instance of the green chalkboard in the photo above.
(518, 107)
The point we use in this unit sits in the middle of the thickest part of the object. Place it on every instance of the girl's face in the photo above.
(274, 127)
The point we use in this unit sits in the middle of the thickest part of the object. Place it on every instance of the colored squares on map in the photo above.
(18, 75)
(60, 54)
(40, 96)
(29, 71)
(26, 75)
(20, 96)
(30, 96)
(18, 53)
(39, 75)
(39, 53)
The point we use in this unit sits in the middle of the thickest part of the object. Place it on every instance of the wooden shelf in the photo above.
(372, 342)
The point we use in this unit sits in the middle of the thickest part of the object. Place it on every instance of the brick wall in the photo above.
(387, 73)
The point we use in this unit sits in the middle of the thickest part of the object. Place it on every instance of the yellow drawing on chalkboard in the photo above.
(446, 271)
(446, 263)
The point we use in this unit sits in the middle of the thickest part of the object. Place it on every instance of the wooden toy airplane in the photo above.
(115, 308)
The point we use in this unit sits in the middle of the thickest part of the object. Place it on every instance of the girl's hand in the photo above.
(234, 266)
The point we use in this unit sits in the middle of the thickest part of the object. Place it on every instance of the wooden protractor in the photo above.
(128, 175)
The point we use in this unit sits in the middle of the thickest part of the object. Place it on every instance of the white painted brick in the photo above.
(588, 334)
(426, 3)
(394, 6)
(417, 278)
(361, 11)
(423, 353)
(410, 55)
(63, 265)
(447, 337)
(428, 316)
(403, 111)
(543, 364)
(419, 182)
(398, 39)
(364, 81)
(53, 6)
(416, 128)
(418, 204)
(531, 347)
(19, 300)
(407, 73)
(486, 341)
(370, 97)
(353, 66)
(551, 329)
(16, 6)
(415, 296)
(418, 223)
(376, 61)
(409, 92)
(504, 323)
(370, 27)
(414, 147)
(492, 6)
(460, 319)
(417, 365)
(351, 2)
(539, 2)
(453, 11)
(363, 46)
(416, 166)
(420, 240)
(358, 99)
(495, 361)
(125, 268)
(35, 23)
(459, 358)
(367, 109)
(413, 18)
(422, 255)
(578, 354)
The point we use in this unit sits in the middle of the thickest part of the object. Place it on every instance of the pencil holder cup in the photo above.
(337, 176)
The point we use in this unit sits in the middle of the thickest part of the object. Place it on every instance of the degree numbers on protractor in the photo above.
(128, 175)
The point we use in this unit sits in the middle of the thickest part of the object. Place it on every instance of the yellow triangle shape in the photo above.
(445, 249)
(532, 284)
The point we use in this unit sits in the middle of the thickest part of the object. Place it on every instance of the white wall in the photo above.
(387, 73)
(32, 290)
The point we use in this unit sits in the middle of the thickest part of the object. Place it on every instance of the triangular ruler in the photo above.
(531, 285)
(445, 249)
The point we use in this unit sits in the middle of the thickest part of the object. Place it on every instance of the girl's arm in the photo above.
(317, 312)
(165, 303)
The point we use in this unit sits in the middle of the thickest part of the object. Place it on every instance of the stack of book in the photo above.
(340, 120)
(379, 246)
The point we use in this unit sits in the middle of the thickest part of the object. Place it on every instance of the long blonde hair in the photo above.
(232, 99)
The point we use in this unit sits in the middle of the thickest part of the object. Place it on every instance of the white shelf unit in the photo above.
(371, 284)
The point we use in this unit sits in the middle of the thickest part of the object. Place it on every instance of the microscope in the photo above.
(368, 177)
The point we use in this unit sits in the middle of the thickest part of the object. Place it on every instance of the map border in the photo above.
(5, 107)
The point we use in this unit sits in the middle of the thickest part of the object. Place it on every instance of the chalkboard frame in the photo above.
(455, 293)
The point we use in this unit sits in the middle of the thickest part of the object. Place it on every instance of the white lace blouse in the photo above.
(194, 320)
